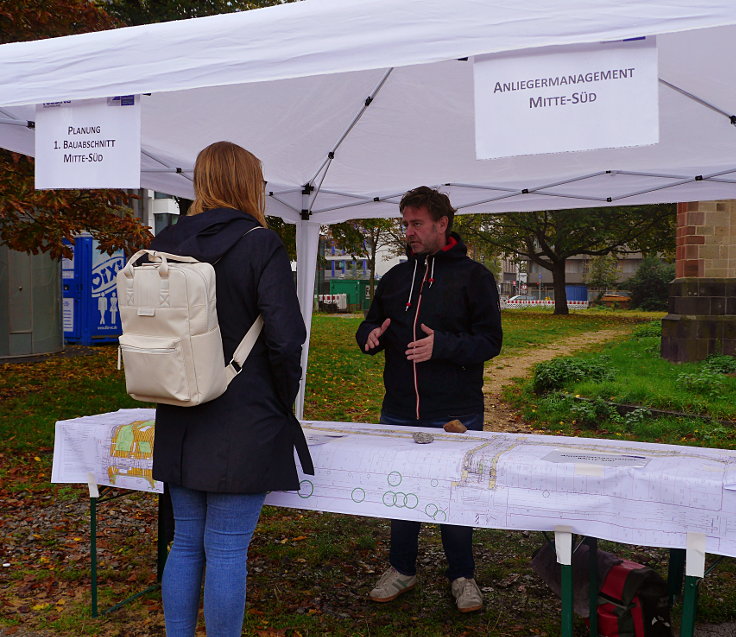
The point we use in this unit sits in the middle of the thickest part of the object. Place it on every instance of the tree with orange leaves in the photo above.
(39, 220)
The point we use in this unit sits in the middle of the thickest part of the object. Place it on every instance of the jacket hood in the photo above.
(206, 236)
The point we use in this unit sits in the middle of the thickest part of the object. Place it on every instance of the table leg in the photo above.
(689, 605)
(675, 572)
(93, 552)
(164, 536)
(563, 547)
(694, 572)
(165, 532)
(593, 584)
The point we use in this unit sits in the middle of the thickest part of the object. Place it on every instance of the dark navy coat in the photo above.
(243, 441)
(457, 298)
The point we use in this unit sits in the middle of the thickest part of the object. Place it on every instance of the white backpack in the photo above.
(171, 345)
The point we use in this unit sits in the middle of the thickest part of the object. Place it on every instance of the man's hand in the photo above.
(375, 335)
(421, 350)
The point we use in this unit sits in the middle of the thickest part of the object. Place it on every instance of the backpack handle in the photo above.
(155, 256)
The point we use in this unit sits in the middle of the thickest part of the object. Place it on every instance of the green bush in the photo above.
(720, 364)
(649, 286)
(555, 374)
(703, 382)
(653, 328)
(591, 413)
(637, 417)
(595, 412)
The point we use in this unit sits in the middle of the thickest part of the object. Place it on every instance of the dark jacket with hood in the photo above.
(243, 441)
(457, 298)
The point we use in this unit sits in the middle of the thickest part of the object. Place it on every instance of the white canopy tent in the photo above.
(351, 102)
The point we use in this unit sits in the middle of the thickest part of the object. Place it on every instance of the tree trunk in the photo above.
(558, 283)
(372, 266)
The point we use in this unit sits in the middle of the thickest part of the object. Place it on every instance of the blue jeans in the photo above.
(213, 529)
(473, 422)
(457, 541)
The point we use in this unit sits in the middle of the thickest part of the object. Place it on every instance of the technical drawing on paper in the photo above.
(631, 492)
(114, 449)
(130, 453)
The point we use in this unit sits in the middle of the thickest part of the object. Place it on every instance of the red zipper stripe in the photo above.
(414, 334)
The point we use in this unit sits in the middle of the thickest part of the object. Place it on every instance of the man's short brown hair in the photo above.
(437, 203)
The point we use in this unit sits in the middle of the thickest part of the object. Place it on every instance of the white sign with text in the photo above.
(570, 98)
(89, 143)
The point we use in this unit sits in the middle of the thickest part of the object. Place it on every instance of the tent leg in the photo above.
(307, 242)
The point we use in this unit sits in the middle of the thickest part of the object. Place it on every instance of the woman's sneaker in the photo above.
(467, 595)
(391, 585)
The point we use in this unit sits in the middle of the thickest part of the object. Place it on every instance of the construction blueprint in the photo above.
(632, 492)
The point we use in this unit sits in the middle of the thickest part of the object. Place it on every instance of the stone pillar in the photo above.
(702, 304)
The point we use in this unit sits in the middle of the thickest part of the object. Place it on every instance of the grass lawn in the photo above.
(686, 403)
(309, 572)
(346, 385)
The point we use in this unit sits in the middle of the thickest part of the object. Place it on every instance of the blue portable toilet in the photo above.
(576, 292)
(90, 303)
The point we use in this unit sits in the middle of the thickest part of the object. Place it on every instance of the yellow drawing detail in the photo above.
(130, 443)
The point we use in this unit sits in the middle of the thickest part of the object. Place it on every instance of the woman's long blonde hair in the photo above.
(228, 176)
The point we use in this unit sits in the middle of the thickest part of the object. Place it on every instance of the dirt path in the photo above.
(502, 417)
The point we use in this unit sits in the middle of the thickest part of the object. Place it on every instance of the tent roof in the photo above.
(290, 83)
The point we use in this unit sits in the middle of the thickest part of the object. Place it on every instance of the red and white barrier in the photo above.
(341, 300)
(572, 305)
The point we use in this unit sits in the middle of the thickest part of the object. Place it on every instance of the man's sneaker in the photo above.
(391, 585)
(467, 595)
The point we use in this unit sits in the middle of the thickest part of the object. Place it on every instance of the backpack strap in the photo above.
(302, 448)
(242, 351)
(236, 365)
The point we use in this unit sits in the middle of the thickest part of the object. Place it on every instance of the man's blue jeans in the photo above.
(213, 529)
(457, 541)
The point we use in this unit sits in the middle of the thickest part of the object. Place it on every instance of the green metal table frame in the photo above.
(107, 494)
(676, 571)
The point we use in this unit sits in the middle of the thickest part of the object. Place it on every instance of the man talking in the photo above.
(437, 318)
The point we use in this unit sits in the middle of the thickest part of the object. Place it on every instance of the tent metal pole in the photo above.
(636, 173)
(331, 155)
(167, 170)
(364, 202)
(14, 122)
(362, 198)
(552, 185)
(695, 98)
(283, 203)
(719, 173)
(174, 169)
(307, 242)
(720, 180)
(356, 119)
(568, 196)
(647, 190)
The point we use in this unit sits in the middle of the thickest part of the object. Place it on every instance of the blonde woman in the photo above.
(220, 458)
